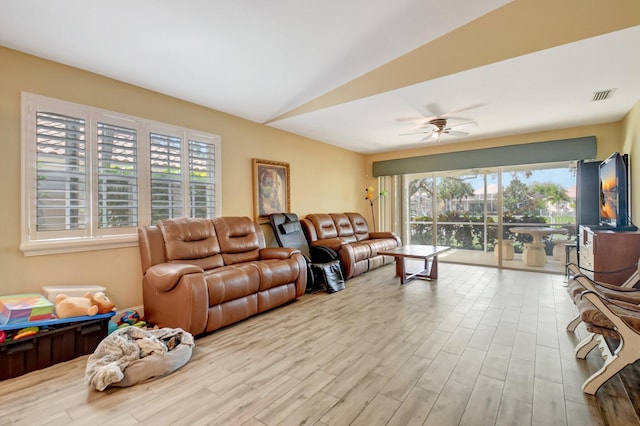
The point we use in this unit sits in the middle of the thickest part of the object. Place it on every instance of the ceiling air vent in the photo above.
(602, 95)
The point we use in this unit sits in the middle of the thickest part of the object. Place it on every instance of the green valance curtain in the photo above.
(583, 148)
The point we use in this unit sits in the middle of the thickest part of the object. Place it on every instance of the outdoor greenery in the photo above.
(469, 229)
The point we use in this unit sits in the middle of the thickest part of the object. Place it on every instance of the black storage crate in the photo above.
(56, 343)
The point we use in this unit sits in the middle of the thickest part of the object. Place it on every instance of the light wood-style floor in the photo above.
(479, 346)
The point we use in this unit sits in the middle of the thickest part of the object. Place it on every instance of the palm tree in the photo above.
(450, 189)
(421, 194)
(551, 193)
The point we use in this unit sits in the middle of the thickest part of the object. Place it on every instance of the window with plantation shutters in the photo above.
(166, 177)
(202, 181)
(117, 176)
(61, 173)
(91, 177)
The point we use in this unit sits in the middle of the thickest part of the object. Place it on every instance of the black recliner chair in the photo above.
(323, 266)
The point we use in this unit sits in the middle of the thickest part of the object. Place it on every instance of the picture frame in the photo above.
(271, 188)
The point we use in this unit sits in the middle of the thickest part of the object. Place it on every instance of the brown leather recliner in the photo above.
(348, 234)
(204, 274)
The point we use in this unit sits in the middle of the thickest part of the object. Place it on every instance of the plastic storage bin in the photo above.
(58, 341)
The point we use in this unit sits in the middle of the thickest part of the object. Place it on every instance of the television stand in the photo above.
(628, 228)
(608, 255)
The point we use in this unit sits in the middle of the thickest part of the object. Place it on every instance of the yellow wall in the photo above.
(631, 146)
(324, 178)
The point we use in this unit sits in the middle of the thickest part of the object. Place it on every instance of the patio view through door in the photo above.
(473, 211)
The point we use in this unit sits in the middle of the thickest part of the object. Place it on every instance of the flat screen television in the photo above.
(614, 202)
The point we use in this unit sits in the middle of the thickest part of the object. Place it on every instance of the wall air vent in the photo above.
(602, 95)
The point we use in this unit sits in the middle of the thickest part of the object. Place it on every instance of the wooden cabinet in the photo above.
(608, 256)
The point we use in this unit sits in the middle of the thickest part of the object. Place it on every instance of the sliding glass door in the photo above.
(475, 212)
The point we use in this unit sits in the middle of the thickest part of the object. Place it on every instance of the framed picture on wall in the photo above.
(270, 188)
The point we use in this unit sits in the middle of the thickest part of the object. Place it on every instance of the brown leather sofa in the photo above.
(348, 234)
(204, 274)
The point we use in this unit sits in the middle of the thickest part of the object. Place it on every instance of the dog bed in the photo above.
(134, 355)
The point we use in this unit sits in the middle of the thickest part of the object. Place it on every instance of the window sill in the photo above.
(39, 248)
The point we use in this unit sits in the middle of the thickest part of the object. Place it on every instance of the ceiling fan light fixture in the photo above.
(436, 127)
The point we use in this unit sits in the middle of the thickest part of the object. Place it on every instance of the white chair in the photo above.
(607, 318)
(625, 291)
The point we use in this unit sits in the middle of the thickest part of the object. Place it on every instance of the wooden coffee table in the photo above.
(430, 272)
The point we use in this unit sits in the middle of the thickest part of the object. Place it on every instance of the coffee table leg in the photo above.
(433, 274)
(400, 269)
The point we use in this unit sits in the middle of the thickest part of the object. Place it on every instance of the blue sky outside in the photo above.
(562, 176)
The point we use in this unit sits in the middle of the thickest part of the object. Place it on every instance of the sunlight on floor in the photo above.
(475, 257)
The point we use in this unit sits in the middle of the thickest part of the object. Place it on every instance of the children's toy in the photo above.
(19, 308)
(129, 317)
(104, 304)
(26, 332)
(88, 304)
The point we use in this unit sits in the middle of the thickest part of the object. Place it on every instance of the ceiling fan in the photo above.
(436, 127)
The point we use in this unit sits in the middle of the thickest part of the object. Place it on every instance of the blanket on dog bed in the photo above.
(133, 355)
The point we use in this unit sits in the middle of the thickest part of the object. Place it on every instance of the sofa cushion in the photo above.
(360, 226)
(231, 282)
(343, 225)
(380, 245)
(591, 315)
(238, 239)
(625, 294)
(276, 272)
(360, 251)
(324, 226)
(190, 240)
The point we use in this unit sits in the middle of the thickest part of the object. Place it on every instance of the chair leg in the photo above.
(574, 323)
(587, 345)
(627, 352)
(613, 364)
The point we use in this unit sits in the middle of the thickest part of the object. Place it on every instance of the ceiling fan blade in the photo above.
(468, 125)
(467, 108)
(426, 138)
(423, 127)
(434, 110)
(427, 129)
(405, 119)
(455, 133)
(415, 133)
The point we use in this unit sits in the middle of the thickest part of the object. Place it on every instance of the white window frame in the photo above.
(34, 242)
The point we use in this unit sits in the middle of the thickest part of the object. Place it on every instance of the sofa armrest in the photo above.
(332, 243)
(165, 276)
(380, 235)
(277, 252)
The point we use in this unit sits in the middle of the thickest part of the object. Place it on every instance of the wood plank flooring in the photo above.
(479, 346)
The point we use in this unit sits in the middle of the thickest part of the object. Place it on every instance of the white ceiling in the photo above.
(262, 59)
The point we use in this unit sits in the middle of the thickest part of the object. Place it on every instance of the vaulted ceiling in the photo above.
(356, 74)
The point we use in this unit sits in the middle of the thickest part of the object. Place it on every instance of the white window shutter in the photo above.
(117, 176)
(61, 168)
(166, 177)
(202, 184)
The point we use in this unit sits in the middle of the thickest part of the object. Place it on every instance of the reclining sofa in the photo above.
(348, 234)
(203, 274)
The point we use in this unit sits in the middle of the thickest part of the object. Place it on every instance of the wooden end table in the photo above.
(430, 272)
